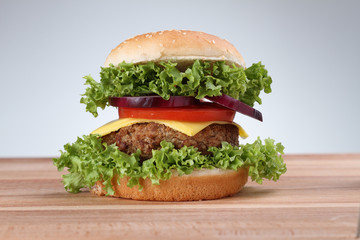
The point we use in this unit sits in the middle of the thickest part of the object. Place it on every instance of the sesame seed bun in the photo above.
(181, 46)
(199, 185)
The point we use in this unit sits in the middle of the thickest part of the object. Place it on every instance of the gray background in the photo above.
(311, 49)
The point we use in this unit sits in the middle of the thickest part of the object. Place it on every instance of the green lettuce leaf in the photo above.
(88, 160)
(164, 79)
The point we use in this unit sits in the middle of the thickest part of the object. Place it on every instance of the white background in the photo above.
(311, 49)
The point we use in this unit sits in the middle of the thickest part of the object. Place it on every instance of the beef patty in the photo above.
(147, 136)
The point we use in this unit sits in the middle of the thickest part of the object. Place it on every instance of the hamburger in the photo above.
(177, 93)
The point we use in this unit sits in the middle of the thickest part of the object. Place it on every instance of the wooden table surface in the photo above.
(318, 198)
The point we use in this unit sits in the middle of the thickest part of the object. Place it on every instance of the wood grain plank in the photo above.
(318, 198)
(185, 224)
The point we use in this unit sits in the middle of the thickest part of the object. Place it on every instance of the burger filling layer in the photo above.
(148, 136)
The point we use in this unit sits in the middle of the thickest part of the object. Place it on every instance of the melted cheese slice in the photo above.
(188, 128)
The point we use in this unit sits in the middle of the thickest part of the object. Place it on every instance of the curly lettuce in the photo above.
(88, 160)
(164, 79)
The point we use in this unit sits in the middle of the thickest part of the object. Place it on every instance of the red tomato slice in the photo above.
(201, 112)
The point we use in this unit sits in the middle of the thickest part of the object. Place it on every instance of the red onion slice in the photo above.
(152, 101)
(236, 105)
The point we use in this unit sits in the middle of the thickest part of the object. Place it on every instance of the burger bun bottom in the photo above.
(204, 184)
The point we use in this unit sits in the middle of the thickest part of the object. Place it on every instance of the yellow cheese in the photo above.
(188, 128)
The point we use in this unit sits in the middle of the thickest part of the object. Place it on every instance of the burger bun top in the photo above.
(180, 46)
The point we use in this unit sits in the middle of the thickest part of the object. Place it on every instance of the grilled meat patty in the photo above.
(147, 136)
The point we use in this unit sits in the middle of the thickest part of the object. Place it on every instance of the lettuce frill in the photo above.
(89, 160)
(164, 79)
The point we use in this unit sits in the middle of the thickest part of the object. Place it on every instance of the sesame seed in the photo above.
(173, 40)
(184, 33)
(213, 41)
(136, 39)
